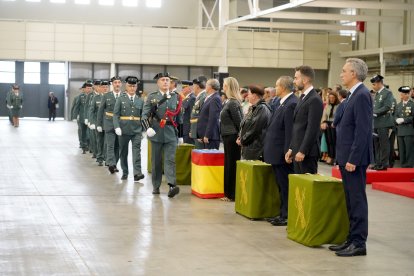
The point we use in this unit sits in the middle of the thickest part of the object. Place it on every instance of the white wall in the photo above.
(172, 13)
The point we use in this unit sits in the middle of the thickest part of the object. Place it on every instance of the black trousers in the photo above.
(212, 144)
(330, 134)
(356, 203)
(52, 113)
(231, 155)
(282, 179)
(382, 147)
(308, 165)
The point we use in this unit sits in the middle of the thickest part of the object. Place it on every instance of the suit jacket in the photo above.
(354, 129)
(187, 108)
(338, 113)
(306, 125)
(279, 132)
(208, 124)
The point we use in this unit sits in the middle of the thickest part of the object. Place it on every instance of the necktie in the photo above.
(132, 100)
(116, 96)
(301, 96)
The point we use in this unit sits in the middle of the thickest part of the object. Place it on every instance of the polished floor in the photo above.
(61, 214)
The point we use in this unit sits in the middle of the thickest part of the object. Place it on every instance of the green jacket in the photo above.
(93, 108)
(106, 111)
(127, 115)
(154, 112)
(16, 101)
(79, 108)
(72, 110)
(383, 102)
(406, 112)
(88, 105)
(195, 113)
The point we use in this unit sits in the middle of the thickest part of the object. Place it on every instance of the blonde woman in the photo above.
(230, 119)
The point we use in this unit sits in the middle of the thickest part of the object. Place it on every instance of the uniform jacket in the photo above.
(230, 117)
(253, 130)
(195, 113)
(16, 100)
(208, 124)
(154, 112)
(383, 102)
(406, 112)
(133, 111)
(79, 108)
(94, 107)
(306, 125)
(354, 129)
(279, 132)
(106, 111)
(88, 105)
(187, 108)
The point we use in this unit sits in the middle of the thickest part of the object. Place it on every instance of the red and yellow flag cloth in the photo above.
(207, 173)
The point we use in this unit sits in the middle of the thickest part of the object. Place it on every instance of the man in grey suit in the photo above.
(304, 147)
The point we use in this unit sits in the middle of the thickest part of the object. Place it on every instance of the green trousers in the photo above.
(169, 150)
(136, 152)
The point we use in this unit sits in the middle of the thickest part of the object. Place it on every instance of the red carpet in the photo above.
(390, 175)
(399, 188)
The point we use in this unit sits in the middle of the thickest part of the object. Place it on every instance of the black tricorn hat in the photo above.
(116, 78)
(186, 83)
(88, 83)
(200, 79)
(376, 78)
(97, 82)
(404, 89)
(131, 80)
(162, 75)
(105, 82)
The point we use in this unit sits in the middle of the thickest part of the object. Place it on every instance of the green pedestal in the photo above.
(257, 195)
(182, 163)
(317, 210)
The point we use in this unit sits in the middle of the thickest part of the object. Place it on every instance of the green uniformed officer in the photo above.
(105, 123)
(72, 114)
(79, 113)
(383, 122)
(88, 118)
(8, 96)
(163, 123)
(392, 135)
(93, 111)
(127, 124)
(16, 104)
(405, 132)
(199, 87)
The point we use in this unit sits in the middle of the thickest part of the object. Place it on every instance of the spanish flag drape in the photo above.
(207, 173)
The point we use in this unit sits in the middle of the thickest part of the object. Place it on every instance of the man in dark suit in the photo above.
(187, 107)
(208, 126)
(354, 154)
(277, 141)
(304, 146)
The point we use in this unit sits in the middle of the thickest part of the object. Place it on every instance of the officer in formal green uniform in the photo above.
(14, 87)
(163, 123)
(199, 87)
(16, 104)
(392, 135)
(72, 113)
(105, 123)
(89, 119)
(93, 117)
(79, 112)
(127, 124)
(383, 122)
(405, 132)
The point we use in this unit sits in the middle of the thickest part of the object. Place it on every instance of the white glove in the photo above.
(89, 125)
(9, 106)
(92, 126)
(77, 118)
(21, 106)
(150, 132)
(99, 129)
(86, 121)
(399, 121)
(375, 115)
(180, 141)
(118, 131)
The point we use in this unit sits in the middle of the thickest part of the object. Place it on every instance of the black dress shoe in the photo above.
(339, 247)
(279, 222)
(156, 191)
(111, 169)
(83, 151)
(100, 163)
(116, 169)
(174, 190)
(138, 177)
(124, 177)
(272, 219)
(352, 250)
(379, 168)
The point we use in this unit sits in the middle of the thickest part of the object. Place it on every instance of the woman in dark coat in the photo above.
(253, 126)
(230, 119)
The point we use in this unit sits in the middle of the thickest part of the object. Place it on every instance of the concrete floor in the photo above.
(61, 214)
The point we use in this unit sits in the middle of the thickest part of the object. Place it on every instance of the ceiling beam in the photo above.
(401, 49)
(359, 5)
(256, 14)
(332, 17)
(294, 26)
